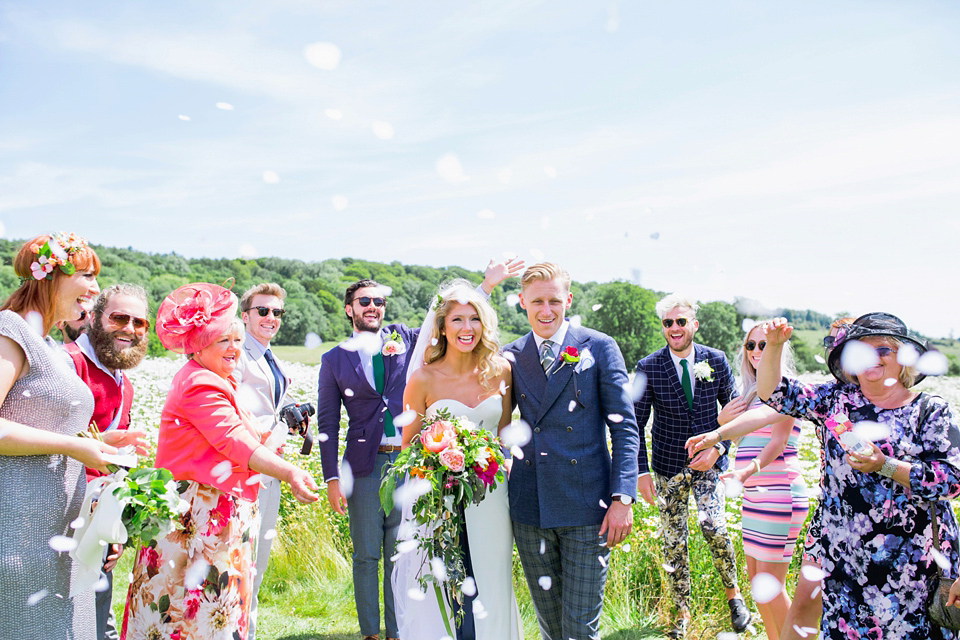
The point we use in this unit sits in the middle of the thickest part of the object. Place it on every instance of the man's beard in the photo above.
(361, 324)
(107, 352)
(71, 333)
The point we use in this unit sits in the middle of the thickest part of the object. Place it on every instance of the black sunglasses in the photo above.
(122, 319)
(263, 311)
(365, 301)
(681, 322)
(750, 345)
(828, 341)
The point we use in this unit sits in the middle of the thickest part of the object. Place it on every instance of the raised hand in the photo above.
(498, 271)
(701, 442)
(731, 410)
(777, 331)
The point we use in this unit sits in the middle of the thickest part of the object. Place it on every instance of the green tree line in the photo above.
(315, 291)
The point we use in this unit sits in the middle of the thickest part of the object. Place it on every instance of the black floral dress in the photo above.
(877, 535)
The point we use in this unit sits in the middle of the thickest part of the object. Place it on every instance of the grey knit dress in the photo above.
(40, 496)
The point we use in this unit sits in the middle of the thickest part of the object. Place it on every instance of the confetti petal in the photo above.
(813, 573)
(516, 434)
(183, 117)
(271, 177)
(486, 214)
(545, 582)
(62, 543)
(405, 418)
(37, 597)
(333, 114)
(449, 168)
(339, 202)
(933, 363)
(857, 357)
(765, 587)
(597, 307)
(907, 355)
(346, 479)
(312, 340)
(195, 575)
(469, 587)
(225, 106)
(383, 130)
(323, 55)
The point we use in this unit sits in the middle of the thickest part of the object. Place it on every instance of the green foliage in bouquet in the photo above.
(151, 503)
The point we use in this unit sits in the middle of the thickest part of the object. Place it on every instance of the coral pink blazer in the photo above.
(205, 436)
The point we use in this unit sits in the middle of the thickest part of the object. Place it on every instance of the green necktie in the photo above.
(388, 428)
(687, 387)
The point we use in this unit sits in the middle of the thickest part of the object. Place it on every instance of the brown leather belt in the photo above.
(388, 448)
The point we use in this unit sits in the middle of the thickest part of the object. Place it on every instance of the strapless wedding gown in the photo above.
(490, 533)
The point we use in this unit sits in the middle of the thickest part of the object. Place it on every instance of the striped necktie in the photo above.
(546, 356)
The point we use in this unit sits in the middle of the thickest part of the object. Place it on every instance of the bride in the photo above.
(462, 372)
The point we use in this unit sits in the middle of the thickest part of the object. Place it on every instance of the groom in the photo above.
(570, 502)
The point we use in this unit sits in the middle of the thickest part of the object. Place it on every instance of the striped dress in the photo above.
(774, 499)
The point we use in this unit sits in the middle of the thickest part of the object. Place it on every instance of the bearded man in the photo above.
(115, 340)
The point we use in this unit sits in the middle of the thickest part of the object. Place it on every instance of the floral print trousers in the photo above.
(673, 496)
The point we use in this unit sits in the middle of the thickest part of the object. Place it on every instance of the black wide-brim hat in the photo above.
(873, 325)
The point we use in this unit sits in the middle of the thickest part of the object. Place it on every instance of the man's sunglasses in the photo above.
(264, 311)
(365, 301)
(123, 319)
(750, 345)
(668, 322)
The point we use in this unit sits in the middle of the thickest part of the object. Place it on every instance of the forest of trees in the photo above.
(315, 297)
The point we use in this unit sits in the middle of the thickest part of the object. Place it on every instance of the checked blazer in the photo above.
(342, 382)
(567, 473)
(673, 421)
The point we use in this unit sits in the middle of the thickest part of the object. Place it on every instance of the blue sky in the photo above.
(804, 154)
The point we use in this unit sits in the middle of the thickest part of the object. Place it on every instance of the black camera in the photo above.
(297, 416)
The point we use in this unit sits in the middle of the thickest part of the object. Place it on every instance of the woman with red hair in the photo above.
(43, 406)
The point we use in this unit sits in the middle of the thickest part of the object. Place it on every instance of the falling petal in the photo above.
(222, 470)
(545, 582)
(383, 130)
(405, 418)
(537, 254)
(339, 202)
(727, 635)
(195, 575)
(747, 324)
(183, 117)
(102, 584)
(907, 355)
(225, 106)
(576, 321)
(79, 522)
(346, 479)
(637, 386)
(469, 587)
(603, 505)
(516, 452)
(543, 546)
(550, 171)
(62, 543)
(271, 177)
(655, 235)
(410, 491)
(668, 568)
(323, 437)
(857, 357)
(516, 434)
(37, 597)
(513, 299)
(615, 417)
(364, 342)
(942, 561)
(626, 547)
(438, 569)
(406, 546)
(486, 214)
(479, 613)
(434, 341)
(333, 114)
(597, 307)
(252, 480)
(270, 534)
(312, 340)
(872, 431)
(509, 356)
(503, 387)
(323, 55)
(602, 560)
(813, 573)
(385, 290)
(933, 363)
(733, 487)
(819, 358)
(415, 594)
(889, 382)
(449, 168)
(35, 320)
(765, 587)
(572, 405)
(815, 593)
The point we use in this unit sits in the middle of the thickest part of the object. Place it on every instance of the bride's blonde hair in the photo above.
(462, 292)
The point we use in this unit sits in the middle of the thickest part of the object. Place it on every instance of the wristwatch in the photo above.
(625, 499)
(721, 448)
(889, 467)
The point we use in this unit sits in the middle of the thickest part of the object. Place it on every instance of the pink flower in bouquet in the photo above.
(452, 458)
(488, 474)
(438, 436)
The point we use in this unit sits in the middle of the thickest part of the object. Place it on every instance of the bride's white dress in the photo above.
(490, 534)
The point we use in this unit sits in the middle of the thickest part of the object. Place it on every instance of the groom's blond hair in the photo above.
(545, 271)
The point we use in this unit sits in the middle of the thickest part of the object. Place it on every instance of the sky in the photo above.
(800, 154)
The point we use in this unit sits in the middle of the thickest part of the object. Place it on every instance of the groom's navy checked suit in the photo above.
(560, 489)
(673, 421)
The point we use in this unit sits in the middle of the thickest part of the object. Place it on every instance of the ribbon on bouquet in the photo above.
(101, 528)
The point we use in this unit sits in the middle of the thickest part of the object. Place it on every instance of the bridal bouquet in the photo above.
(452, 463)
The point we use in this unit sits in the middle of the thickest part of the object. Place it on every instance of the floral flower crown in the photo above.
(55, 252)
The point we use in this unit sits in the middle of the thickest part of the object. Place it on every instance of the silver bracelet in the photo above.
(889, 467)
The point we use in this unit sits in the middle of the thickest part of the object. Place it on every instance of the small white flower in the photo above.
(703, 371)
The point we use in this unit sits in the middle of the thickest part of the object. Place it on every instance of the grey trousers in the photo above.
(269, 505)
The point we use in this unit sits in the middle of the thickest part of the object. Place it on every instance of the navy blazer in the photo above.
(673, 421)
(342, 381)
(567, 475)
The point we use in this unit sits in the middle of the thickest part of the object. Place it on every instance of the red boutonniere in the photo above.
(570, 355)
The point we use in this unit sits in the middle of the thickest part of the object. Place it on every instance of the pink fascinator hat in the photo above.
(194, 316)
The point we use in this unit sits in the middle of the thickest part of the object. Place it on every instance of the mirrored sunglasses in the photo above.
(263, 311)
(123, 319)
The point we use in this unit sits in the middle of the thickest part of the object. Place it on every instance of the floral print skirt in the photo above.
(196, 583)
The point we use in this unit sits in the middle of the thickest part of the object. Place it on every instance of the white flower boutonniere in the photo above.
(703, 371)
(394, 346)
(586, 361)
